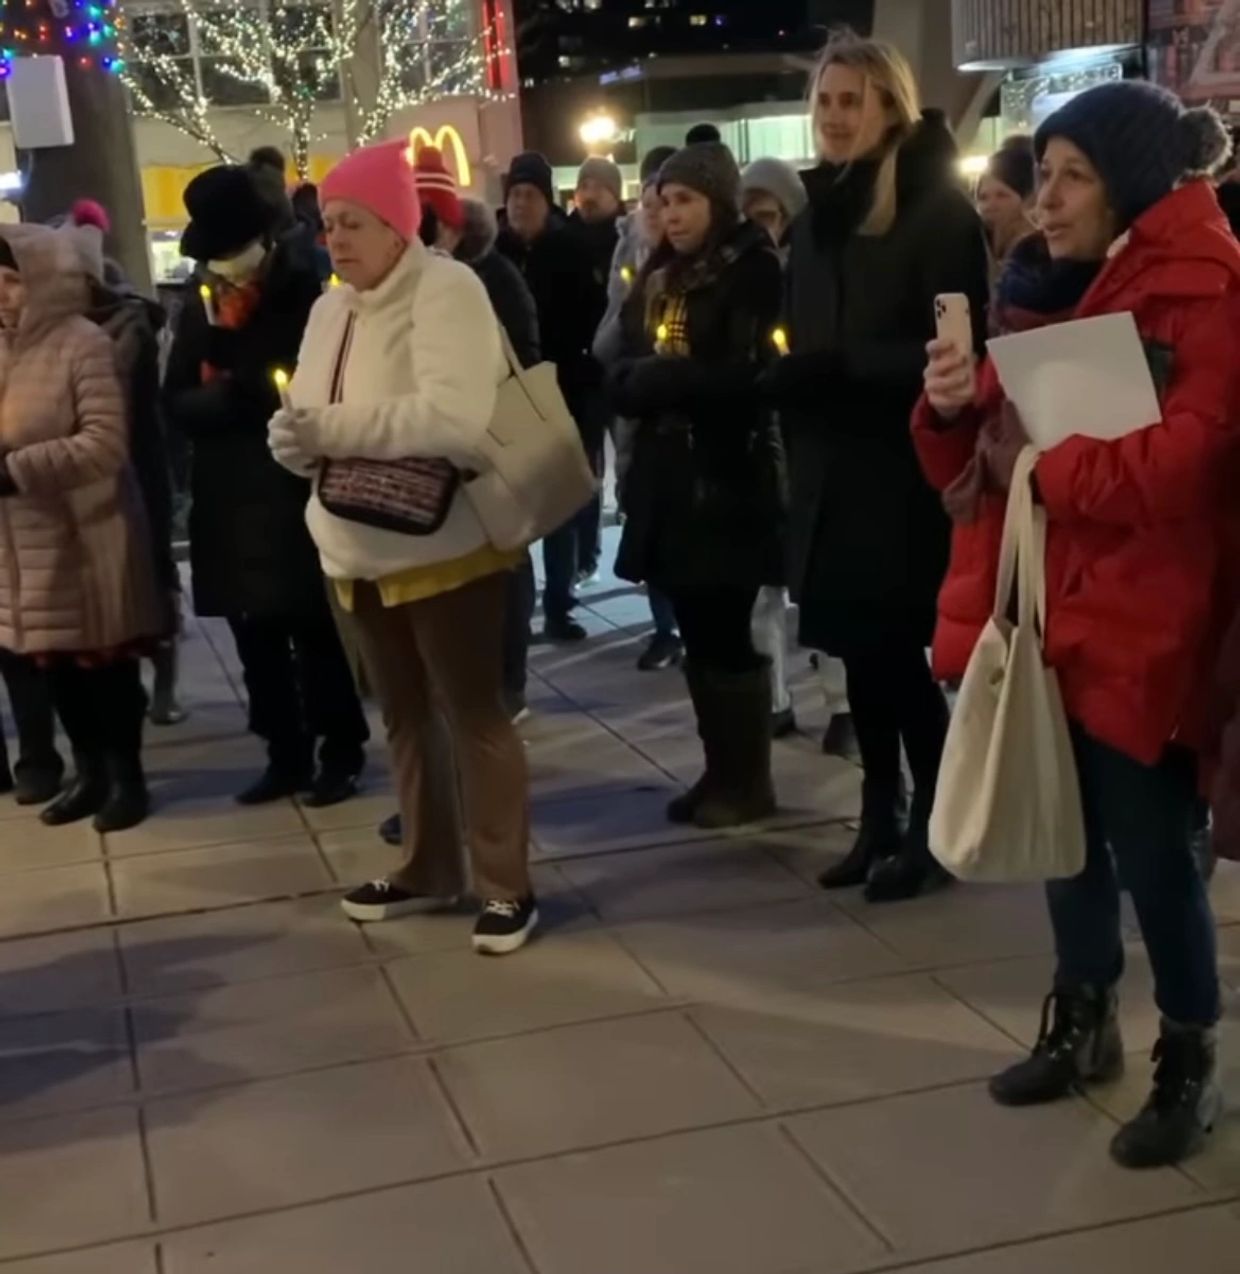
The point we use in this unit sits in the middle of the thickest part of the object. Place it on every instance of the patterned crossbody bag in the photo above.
(412, 496)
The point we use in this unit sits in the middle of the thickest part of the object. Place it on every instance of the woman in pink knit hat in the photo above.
(400, 367)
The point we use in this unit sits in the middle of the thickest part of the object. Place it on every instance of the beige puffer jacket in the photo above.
(75, 561)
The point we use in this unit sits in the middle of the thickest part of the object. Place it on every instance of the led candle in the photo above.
(208, 303)
(280, 377)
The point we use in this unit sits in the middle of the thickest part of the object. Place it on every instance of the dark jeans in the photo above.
(1137, 820)
(102, 709)
(589, 522)
(518, 611)
(30, 697)
(301, 690)
(577, 544)
(716, 628)
(662, 612)
(560, 567)
(894, 698)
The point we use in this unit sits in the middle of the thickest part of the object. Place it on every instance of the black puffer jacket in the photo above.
(249, 547)
(510, 296)
(705, 497)
(868, 537)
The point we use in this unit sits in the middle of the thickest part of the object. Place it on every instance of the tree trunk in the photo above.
(101, 165)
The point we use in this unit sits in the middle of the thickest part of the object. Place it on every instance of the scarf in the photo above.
(234, 307)
(1035, 291)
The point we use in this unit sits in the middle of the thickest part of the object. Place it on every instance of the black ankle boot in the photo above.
(1182, 1107)
(879, 838)
(274, 784)
(127, 803)
(82, 798)
(913, 870)
(738, 749)
(1078, 1043)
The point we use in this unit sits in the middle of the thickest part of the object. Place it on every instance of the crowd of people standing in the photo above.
(788, 427)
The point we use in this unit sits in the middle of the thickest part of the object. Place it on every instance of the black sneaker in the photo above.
(1078, 1043)
(391, 831)
(505, 925)
(332, 786)
(664, 650)
(1182, 1108)
(382, 900)
(273, 785)
(565, 630)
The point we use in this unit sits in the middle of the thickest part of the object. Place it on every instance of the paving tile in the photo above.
(357, 854)
(571, 977)
(1204, 1240)
(63, 1061)
(960, 925)
(728, 955)
(53, 898)
(585, 1085)
(590, 826)
(267, 1145)
(675, 879)
(196, 879)
(368, 809)
(441, 1227)
(26, 842)
(79, 1179)
(575, 757)
(121, 1258)
(721, 1201)
(186, 952)
(1225, 892)
(831, 1044)
(994, 1175)
(252, 1029)
(59, 971)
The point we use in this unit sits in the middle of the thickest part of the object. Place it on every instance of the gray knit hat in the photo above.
(709, 168)
(605, 172)
(779, 179)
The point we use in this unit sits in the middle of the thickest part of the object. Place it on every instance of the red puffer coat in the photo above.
(1139, 564)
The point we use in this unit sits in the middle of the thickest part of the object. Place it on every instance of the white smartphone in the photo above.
(954, 321)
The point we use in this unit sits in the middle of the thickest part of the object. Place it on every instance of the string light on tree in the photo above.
(83, 32)
(299, 56)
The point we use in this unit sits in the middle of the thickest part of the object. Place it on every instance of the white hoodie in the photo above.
(420, 380)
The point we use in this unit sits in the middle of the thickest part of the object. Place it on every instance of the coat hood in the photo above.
(52, 272)
(479, 230)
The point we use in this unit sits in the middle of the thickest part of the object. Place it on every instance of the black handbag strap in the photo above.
(342, 359)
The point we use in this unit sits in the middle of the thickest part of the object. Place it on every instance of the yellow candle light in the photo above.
(280, 377)
(334, 281)
(626, 273)
(208, 303)
(779, 338)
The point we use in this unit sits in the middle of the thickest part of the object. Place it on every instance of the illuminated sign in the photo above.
(448, 141)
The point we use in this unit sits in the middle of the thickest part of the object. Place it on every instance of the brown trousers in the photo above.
(444, 654)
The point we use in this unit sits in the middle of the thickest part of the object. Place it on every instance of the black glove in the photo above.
(801, 380)
(224, 347)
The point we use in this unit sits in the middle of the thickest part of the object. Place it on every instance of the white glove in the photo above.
(285, 434)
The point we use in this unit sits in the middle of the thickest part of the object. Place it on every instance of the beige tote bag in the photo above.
(1008, 803)
(534, 474)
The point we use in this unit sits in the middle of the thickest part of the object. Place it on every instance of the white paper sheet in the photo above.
(1087, 377)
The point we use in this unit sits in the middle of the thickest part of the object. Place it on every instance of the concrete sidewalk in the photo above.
(704, 1065)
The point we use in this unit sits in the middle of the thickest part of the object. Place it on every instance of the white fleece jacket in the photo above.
(420, 380)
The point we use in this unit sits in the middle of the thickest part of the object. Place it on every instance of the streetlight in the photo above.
(599, 129)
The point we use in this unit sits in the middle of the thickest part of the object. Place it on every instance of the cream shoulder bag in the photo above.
(533, 474)
(1008, 803)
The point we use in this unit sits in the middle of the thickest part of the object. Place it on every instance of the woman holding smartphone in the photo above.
(887, 230)
(1137, 578)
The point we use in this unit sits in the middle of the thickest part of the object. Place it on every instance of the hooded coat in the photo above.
(868, 536)
(75, 564)
(249, 548)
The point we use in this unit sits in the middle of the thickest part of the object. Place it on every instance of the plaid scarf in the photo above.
(234, 307)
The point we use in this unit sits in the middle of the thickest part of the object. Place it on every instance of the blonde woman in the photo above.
(886, 230)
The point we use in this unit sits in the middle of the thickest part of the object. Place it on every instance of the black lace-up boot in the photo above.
(1078, 1043)
(1182, 1107)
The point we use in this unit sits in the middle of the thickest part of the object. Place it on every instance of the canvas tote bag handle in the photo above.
(1019, 509)
(514, 366)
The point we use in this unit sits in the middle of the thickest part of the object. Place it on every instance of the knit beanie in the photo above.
(437, 187)
(779, 179)
(379, 178)
(707, 167)
(701, 134)
(605, 172)
(1014, 165)
(653, 160)
(532, 169)
(1140, 139)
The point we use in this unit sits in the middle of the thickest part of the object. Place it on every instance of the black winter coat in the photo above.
(512, 302)
(868, 537)
(705, 497)
(571, 303)
(249, 548)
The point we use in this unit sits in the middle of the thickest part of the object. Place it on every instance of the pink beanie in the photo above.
(379, 178)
